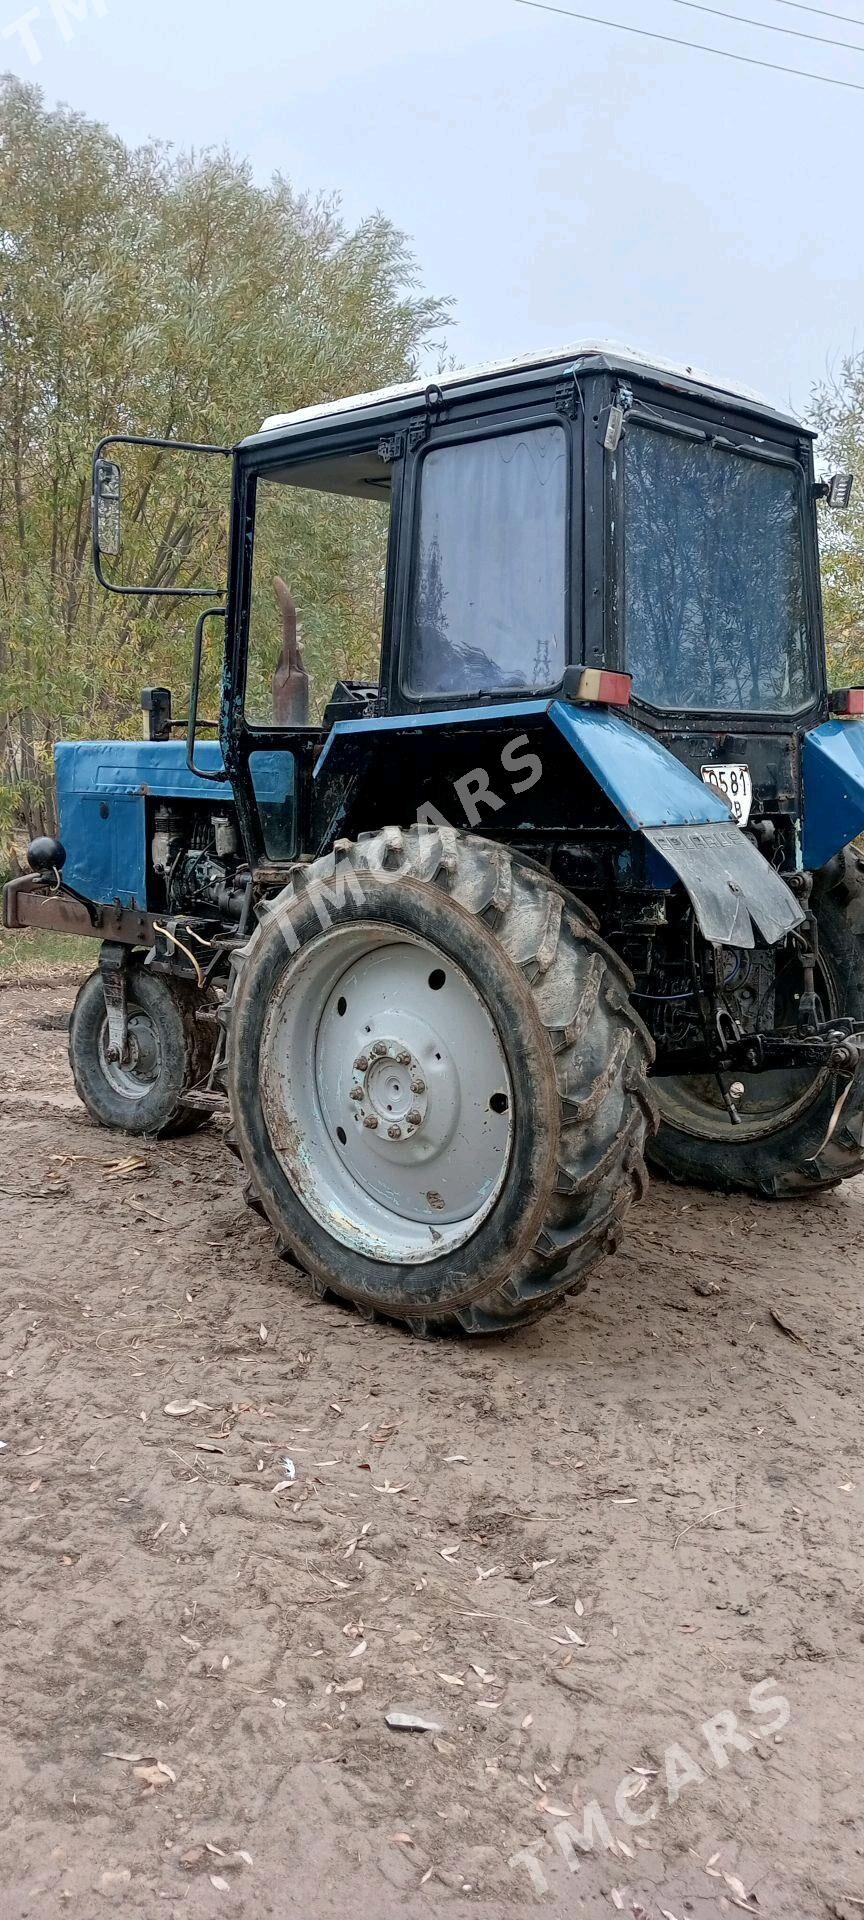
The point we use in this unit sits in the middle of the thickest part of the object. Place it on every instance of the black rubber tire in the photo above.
(576, 1050)
(186, 1046)
(812, 1151)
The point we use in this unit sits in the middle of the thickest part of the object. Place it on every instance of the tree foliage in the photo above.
(838, 409)
(146, 291)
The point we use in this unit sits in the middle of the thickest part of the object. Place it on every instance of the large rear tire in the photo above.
(437, 1083)
(800, 1132)
(169, 1052)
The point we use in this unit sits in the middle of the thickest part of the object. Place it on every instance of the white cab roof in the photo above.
(613, 354)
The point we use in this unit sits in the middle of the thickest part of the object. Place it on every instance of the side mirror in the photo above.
(106, 507)
(184, 530)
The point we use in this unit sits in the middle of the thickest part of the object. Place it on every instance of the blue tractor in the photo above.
(565, 882)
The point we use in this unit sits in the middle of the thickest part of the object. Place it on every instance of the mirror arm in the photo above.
(172, 446)
(210, 613)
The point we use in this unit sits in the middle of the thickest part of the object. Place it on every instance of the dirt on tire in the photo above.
(240, 1526)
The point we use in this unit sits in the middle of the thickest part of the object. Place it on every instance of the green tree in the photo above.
(144, 291)
(838, 409)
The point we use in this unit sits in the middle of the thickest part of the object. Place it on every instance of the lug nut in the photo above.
(361, 1063)
(394, 1133)
(404, 1059)
(379, 1048)
(414, 1117)
(418, 1086)
(370, 1121)
(356, 1093)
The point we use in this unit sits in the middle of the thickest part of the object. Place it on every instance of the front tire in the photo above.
(437, 1082)
(169, 1052)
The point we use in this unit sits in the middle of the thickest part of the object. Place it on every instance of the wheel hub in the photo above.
(387, 1093)
(389, 1090)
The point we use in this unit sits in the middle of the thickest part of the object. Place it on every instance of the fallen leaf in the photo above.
(617, 1900)
(350, 1686)
(527, 1722)
(217, 1881)
(578, 1608)
(178, 1409)
(449, 1553)
(789, 1331)
(131, 1758)
(406, 1721)
(450, 1459)
(262, 1334)
(487, 1572)
(155, 1776)
(356, 1651)
(450, 1679)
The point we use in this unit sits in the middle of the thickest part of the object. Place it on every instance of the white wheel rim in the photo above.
(386, 1094)
(135, 1077)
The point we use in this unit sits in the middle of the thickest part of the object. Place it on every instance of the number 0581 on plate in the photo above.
(736, 786)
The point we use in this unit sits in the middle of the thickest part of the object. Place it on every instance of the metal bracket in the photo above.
(113, 966)
(393, 448)
(566, 397)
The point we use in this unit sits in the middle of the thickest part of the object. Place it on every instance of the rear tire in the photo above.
(170, 1052)
(486, 1187)
(814, 1147)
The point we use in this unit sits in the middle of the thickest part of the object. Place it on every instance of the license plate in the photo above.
(736, 786)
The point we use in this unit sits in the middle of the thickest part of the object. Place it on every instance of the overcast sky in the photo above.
(559, 180)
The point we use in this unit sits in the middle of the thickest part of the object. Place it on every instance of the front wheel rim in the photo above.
(136, 1075)
(386, 1094)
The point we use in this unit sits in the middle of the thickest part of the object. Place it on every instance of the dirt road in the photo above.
(568, 1550)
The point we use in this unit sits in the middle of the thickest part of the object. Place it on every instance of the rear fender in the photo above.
(687, 825)
(833, 776)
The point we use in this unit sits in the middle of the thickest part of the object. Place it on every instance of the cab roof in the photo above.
(583, 357)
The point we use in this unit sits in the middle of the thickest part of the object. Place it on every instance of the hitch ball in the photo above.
(46, 856)
(737, 1091)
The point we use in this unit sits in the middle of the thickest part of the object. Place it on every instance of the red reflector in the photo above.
(599, 688)
(847, 700)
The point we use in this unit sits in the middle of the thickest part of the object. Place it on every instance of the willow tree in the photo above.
(838, 409)
(145, 291)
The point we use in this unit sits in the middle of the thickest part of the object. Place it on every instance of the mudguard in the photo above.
(688, 826)
(833, 775)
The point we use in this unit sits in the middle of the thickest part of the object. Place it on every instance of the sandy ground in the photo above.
(568, 1550)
